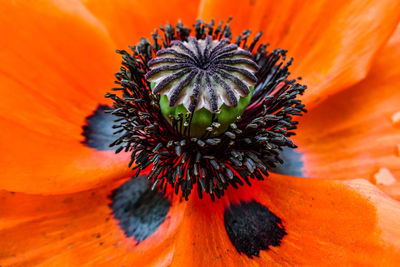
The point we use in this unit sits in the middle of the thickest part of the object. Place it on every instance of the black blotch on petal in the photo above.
(98, 131)
(138, 209)
(292, 163)
(252, 227)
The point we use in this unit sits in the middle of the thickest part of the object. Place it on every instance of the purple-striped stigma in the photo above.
(202, 112)
(204, 78)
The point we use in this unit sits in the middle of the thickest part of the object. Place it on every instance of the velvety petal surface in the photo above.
(77, 229)
(332, 42)
(356, 133)
(128, 20)
(311, 221)
(57, 61)
(350, 223)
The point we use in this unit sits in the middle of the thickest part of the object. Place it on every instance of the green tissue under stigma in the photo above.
(202, 118)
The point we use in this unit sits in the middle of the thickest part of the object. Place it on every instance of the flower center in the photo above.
(208, 76)
(202, 73)
(202, 112)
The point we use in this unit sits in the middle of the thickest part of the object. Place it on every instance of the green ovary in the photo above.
(202, 118)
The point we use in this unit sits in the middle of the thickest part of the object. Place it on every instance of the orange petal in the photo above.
(354, 133)
(332, 42)
(127, 21)
(57, 63)
(36, 163)
(349, 223)
(74, 230)
(326, 222)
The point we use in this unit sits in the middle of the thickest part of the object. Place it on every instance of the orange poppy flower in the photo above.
(66, 199)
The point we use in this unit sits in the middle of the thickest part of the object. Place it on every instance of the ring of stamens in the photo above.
(247, 150)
